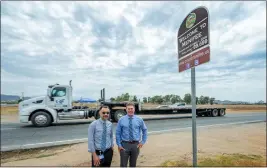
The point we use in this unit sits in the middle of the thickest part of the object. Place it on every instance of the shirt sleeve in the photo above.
(144, 132)
(111, 136)
(91, 132)
(118, 134)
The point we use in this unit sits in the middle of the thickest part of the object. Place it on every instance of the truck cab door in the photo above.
(59, 97)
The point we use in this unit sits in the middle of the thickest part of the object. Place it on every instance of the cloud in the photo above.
(130, 47)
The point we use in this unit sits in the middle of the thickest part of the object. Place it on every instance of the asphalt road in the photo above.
(16, 136)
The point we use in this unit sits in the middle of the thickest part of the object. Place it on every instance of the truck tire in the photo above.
(118, 114)
(214, 113)
(41, 119)
(222, 112)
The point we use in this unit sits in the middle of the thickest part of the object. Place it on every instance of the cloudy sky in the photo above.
(130, 47)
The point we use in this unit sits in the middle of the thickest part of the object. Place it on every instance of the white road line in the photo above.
(150, 132)
(3, 129)
(203, 126)
(235, 115)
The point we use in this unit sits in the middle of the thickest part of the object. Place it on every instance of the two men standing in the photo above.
(130, 130)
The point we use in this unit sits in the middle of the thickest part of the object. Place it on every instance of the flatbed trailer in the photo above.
(118, 109)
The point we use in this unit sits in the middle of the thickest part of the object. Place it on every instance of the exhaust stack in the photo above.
(102, 94)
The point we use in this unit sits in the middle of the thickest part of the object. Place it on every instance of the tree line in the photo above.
(164, 99)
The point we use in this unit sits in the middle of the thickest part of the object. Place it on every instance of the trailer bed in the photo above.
(180, 110)
(118, 110)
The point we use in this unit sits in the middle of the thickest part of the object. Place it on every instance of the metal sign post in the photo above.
(194, 125)
(193, 50)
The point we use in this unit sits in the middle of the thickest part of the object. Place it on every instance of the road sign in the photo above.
(193, 50)
(193, 39)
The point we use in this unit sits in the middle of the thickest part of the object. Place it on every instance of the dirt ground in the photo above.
(243, 139)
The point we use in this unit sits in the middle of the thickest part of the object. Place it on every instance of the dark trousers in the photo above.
(130, 153)
(106, 161)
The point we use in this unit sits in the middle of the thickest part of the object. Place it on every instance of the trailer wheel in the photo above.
(41, 119)
(118, 114)
(214, 113)
(222, 112)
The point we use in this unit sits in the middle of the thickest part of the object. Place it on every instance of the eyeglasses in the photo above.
(105, 112)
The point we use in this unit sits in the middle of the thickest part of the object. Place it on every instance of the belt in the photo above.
(131, 142)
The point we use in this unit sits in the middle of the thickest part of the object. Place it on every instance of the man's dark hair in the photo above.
(103, 106)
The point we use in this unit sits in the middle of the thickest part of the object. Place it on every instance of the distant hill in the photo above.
(11, 97)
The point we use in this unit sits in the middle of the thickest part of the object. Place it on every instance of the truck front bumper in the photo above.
(23, 119)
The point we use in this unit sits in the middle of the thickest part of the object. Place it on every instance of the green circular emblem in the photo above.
(190, 21)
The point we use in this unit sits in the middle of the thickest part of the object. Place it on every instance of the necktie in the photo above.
(131, 138)
(104, 136)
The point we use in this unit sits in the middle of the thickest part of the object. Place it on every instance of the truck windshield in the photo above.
(59, 92)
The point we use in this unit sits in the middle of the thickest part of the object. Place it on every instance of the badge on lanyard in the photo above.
(101, 156)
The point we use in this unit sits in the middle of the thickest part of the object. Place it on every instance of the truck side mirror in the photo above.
(50, 95)
(51, 98)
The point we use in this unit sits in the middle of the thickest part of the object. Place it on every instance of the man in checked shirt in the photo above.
(100, 139)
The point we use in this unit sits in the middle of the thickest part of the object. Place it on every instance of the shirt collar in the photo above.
(133, 116)
(102, 121)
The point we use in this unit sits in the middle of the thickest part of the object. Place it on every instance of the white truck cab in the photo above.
(56, 105)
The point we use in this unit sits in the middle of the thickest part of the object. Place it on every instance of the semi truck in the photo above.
(57, 105)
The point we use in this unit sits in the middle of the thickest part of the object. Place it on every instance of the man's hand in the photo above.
(120, 149)
(96, 160)
(139, 145)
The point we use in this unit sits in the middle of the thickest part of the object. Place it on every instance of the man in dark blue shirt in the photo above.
(130, 130)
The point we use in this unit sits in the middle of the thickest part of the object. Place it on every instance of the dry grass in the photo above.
(225, 160)
(13, 110)
(238, 107)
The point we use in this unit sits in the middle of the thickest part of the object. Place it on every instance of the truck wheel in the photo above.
(118, 114)
(214, 113)
(41, 119)
(222, 112)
